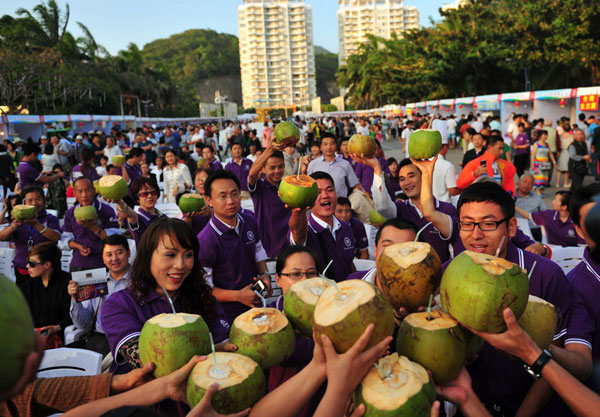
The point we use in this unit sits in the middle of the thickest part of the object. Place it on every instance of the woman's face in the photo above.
(35, 267)
(145, 168)
(148, 196)
(301, 264)
(171, 158)
(36, 200)
(170, 264)
(199, 180)
(393, 167)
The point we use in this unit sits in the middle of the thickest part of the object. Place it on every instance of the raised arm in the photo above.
(381, 198)
(260, 163)
(440, 220)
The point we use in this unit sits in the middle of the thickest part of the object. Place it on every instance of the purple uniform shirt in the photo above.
(241, 171)
(358, 274)
(134, 173)
(360, 234)
(408, 211)
(215, 165)
(76, 173)
(107, 219)
(123, 317)
(145, 219)
(198, 223)
(496, 376)
(365, 173)
(558, 232)
(231, 257)
(520, 140)
(28, 175)
(26, 237)
(271, 216)
(340, 250)
(584, 320)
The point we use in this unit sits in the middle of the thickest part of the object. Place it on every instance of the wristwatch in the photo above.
(535, 370)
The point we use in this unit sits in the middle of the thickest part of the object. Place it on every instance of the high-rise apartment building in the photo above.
(454, 5)
(359, 18)
(277, 57)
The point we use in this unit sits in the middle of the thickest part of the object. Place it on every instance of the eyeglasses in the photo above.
(485, 226)
(146, 194)
(295, 276)
(32, 264)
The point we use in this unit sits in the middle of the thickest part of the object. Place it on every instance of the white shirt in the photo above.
(110, 152)
(177, 176)
(477, 125)
(444, 178)
(442, 127)
(336, 226)
(363, 130)
(406, 136)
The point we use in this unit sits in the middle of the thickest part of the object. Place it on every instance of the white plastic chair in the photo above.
(73, 334)
(568, 257)
(132, 250)
(248, 204)
(65, 259)
(523, 224)
(6, 263)
(169, 209)
(71, 202)
(364, 264)
(69, 362)
(53, 212)
(371, 233)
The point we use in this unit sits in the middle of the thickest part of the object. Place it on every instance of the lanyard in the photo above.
(30, 238)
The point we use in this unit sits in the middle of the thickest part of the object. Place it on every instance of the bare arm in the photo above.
(298, 225)
(523, 213)
(47, 179)
(440, 220)
(7, 232)
(575, 358)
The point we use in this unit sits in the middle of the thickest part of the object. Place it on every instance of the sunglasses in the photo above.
(32, 264)
(145, 194)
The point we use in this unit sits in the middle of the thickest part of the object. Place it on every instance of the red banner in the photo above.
(589, 102)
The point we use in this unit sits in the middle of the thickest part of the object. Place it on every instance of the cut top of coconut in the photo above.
(309, 290)
(255, 321)
(170, 320)
(23, 207)
(491, 264)
(534, 299)
(437, 320)
(109, 180)
(230, 369)
(300, 180)
(405, 379)
(406, 254)
(333, 308)
(194, 195)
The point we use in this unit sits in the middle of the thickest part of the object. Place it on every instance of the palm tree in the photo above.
(51, 20)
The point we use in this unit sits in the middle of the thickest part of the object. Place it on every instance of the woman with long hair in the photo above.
(542, 162)
(86, 167)
(177, 177)
(166, 267)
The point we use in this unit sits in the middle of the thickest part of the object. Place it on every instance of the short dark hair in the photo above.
(83, 177)
(33, 189)
(208, 147)
(133, 152)
(48, 252)
(488, 192)
(288, 251)
(494, 139)
(328, 135)
(470, 131)
(405, 162)
(320, 175)
(29, 148)
(220, 174)
(276, 154)
(565, 197)
(116, 240)
(139, 183)
(343, 201)
(580, 197)
(398, 224)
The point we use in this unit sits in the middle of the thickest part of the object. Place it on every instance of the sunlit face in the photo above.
(328, 146)
(148, 196)
(393, 168)
(115, 258)
(326, 202)
(199, 181)
(224, 198)
(145, 168)
(497, 149)
(301, 262)
(34, 199)
(489, 241)
(557, 203)
(170, 264)
(171, 159)
(274, 170)
(207, 154)
(84, 192)
(526, 184)
(236, 151)
(410, 180)
(315, 150)
(343, 212)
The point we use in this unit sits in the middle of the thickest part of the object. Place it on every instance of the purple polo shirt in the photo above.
(28, 175)
(407, 211)
(500, 378)
(359, 274)
(145, 219)
(25, 233)
(360, 234)
(520, 140)
(584, 319)
(340, 250)
(241, 171)
(76, 173)
(231, 256)
(215, 165)
(123, 317)
(271, 215)
(134, 173)
(351, 161)
(107, 219)
(558, 232)
(198, 223)
(365, 173)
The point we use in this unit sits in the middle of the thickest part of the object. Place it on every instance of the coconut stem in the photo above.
(169, 298)
(429, 307)
(531, 270)
(419, 234)
(212, 347)
(500, 246)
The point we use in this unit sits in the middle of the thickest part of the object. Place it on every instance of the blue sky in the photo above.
(115, 23)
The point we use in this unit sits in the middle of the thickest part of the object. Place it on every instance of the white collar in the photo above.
(124, 277)
(237, 224)
(325, 225)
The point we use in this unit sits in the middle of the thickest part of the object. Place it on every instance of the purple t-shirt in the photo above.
(360, 234)
(520, 140)
(123, 317)
(107, 219)
(584, 319)
(215, 165)
(76, 173)
(340, 250)
(198, 223)
(27, 175)
(365, 173)
(26, 233)
(241, 171)
(359, 274)
(145, 219)
(134, 173)
(407, 211)
(558, 232)
(498, 377)
(231, 257)
(271, 216)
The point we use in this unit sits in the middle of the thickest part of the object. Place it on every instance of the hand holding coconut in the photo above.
(369, 161)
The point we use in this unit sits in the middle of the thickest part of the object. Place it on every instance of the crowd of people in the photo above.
(209, 262)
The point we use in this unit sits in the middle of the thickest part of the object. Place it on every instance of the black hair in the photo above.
(288, 251)
(398, 224)
(116, 240)
(405, 162)
(320, 175)
(580, 197)
(488, 192)
(48, 149)
(203, 169)
(57, 166)
(276, 154)
(33, 189)
(83, 177)
(470, 131)
(209, 147)
(139, 183)
(48, 252)
(328, 135)
(133, 152)
(29, 148)
(220, 174)
(492, 140)
(343, 201)
(391, 161)
(521, 125)
(565, 197)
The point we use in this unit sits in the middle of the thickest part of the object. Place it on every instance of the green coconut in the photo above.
(118, 160)
(190, 203)
(375, 217)
(408, 273)
(113, 187)
(22, 212)
(343, 314)
(202, 163)
(424, 143)
(435, 341)
(298, 191)
(299, 303)
(18, 339)
(265, 335)
(362, 144)
(399, 388)
(171, 340)
(539, 321)
(241, 382)
(287, 132)
(83, 213)
(476, 288)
